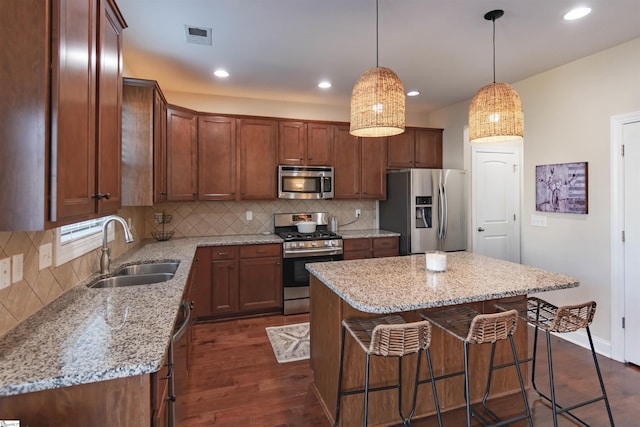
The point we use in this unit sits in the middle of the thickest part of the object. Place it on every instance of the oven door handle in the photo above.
(334, 251)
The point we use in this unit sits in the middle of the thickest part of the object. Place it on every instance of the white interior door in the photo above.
(496, 202)
(631, 141)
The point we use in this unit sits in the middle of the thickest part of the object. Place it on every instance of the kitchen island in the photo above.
(375, 287)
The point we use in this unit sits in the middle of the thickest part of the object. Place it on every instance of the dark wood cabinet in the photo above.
(375, 247)
(242, 280)
(182, 152)
(302, 143)
(143, 143)
(346, 163)
(216, 157)
(415, 148)
(373, 168)
(60, 138)
(257, 143)
(200, 295)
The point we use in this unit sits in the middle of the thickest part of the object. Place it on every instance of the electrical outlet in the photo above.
(249, 215)
(16, 266)
(538, 220)
(45, 256)
(5, 272)
(357, 213)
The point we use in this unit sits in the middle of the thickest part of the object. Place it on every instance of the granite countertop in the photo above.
(366, 233)
(89, 335)
(396, 284)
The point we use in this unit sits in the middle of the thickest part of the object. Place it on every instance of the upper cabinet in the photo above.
(304, 144)
(360, 166)
(415, 148)
(182, 154)
(216, 157)
(60, 113)
(144, 164)
(258, 154)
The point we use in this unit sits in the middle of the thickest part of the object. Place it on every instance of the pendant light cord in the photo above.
(377, 49)
(494, 49)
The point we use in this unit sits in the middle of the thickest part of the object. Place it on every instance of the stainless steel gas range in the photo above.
(299, 249)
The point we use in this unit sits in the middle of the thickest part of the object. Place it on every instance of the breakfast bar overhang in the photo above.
(375, 287)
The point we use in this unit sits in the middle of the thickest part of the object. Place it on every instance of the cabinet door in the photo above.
(73, 107)
(373, 181)
(200, 295)
(356, 248)
(428, 151)
(224, 287)
(400, 150)
(181, 155)
(319, 144)
(260, 286)
(257, 140)
(385, 247)
(346, 163)
(292, 143)
(159, 147)
(109, 183)
(216, 158)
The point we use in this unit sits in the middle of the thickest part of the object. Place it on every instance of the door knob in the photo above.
(480, 229)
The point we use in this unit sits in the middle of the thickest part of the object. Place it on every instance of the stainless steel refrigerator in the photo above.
(428, 208)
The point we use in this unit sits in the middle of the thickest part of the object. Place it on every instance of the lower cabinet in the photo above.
(241, 280)
(376, 247)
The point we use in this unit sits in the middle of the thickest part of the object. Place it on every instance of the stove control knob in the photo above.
(313, 243)
(329, 243)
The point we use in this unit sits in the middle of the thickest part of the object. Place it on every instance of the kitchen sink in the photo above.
(149, 268)
(130, 280)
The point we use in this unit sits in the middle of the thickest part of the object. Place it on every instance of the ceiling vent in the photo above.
(198, 35)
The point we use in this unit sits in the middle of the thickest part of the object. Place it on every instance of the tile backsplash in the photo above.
(39, 287)
(227, 218)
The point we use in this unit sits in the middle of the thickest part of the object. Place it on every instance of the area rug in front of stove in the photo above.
(290, 342)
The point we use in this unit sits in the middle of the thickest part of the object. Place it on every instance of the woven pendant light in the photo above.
(495, 114)
(377, 101)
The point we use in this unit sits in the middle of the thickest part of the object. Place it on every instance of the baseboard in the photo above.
(580, 338)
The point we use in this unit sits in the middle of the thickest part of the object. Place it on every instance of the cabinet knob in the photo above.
(195, 194)
(163, 193)
(100, 196)
(231, 267)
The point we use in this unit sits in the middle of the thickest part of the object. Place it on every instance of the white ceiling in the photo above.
(281, 49)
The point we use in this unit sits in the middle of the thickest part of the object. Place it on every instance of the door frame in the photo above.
(617, 226)
(515, 147)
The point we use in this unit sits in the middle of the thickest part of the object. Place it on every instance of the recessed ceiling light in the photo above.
(324, 85)
(413, 93)
(577, 13)
(221, 73)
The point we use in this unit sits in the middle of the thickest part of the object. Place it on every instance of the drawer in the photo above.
(224, 252)
(385, 243)
(259, 251)
(356, 244)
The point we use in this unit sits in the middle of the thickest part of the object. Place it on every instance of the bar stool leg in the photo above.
(488, 388)
(595, 361)
(522, 389)
(554, 408)
(366, 391)
(467, 395)
(339, 398)
(433, 387)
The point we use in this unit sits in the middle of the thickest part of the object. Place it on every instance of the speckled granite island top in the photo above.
(89, 335)
(391, 285)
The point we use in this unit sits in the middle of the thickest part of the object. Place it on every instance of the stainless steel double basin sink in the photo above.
(138, 274)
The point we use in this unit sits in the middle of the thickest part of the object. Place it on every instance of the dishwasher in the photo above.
(177, 362)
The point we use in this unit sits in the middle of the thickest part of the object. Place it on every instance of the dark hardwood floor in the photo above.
(235, 380)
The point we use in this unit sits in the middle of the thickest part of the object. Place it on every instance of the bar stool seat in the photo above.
(471, 327)
(550, 318)
(388, 336)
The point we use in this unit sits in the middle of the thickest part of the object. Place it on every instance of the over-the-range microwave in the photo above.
(305, 182)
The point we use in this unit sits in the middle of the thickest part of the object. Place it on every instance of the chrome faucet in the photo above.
(105, 259)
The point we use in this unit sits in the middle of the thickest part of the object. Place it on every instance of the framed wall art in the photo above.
(562, 188)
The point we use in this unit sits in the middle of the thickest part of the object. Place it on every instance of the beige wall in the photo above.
(567, 113)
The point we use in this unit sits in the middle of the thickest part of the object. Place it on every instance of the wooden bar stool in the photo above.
(550, 318)
(388, 336)
(471, 327)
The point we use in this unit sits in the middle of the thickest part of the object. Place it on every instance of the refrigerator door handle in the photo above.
(440, 212)
(445, 212)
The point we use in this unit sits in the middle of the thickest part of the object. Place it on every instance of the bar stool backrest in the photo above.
(489, 328)
(400, 340)
(570, 318)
